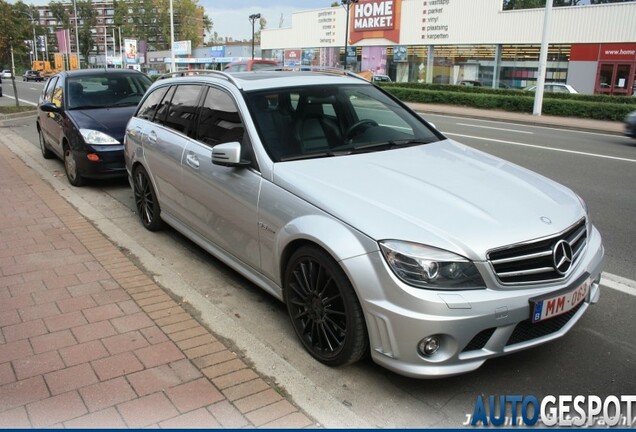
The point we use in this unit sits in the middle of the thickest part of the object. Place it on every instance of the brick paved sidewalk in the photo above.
(88, 340)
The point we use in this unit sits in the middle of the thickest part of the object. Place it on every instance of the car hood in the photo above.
(444, 194)
(111, 121)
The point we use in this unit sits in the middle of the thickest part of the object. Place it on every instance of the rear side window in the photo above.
(149, 107)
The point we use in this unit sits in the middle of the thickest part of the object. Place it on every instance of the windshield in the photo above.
(334, 120)
(107, 90)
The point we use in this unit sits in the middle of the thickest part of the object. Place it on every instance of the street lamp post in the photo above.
(173, 67)
(77, 47)
(35, 47)
(347, 5)
(253, 19)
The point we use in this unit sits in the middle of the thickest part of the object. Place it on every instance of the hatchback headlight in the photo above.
(98, 138)
(431, 268)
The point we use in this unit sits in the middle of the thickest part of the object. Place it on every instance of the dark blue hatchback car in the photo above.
(82, 117)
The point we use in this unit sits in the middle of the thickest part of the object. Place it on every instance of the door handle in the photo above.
(134, 132)
(192, 160)
(152, 137)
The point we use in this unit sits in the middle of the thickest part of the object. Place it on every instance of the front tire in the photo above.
(324, 309)
(70, 167)
(146, 200)
(46, 153)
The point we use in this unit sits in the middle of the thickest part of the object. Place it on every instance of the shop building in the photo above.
(592, 47)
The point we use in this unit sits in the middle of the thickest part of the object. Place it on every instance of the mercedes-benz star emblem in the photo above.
(562, 257)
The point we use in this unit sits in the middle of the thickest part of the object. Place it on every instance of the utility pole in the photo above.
(543, 59)
(15, 89)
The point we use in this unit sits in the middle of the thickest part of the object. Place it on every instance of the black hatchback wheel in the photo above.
(70, 166)
(46, 153)
(324, 309)
(146, 200)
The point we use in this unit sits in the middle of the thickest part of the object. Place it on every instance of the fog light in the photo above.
(429, 345)
(92, 157)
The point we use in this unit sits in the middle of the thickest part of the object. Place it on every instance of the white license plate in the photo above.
(549, 307)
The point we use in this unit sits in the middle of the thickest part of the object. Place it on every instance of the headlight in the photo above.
(427, 267)
(96, 137)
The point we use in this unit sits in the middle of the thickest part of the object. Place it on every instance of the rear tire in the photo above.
(146, 200)
(324, 309)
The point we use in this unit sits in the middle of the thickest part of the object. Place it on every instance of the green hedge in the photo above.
(516, 102)
(514, 92)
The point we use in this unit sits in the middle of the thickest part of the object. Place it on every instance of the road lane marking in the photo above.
(525, 125)
(501, 129)
(22, 100)
(618, 283)
(542, 147)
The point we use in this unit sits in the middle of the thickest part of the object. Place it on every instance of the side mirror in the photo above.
(228, 154)
(50, 107)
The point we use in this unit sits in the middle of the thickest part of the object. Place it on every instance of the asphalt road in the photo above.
(597, 357)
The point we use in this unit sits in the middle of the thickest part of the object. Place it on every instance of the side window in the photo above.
(220, 121)
(149, 107)
(48, 92)
(183, 107)
(58, 93)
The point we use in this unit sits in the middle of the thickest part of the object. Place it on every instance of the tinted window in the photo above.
(162, 109)
(219, 120)
(149, 107)
(182, 109)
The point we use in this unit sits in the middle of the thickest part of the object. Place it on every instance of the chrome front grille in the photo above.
(533, 262)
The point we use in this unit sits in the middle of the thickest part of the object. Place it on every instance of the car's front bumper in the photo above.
(110, 162)
(472, 326)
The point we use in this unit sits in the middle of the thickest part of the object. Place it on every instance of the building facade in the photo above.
(592, 47)
(111, 48)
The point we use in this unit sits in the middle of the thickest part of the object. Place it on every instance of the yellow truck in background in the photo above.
(45, 69)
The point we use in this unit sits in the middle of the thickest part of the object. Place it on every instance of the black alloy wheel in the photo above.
(324, 309)
(46, 153)
(70, 167)
(146, 200)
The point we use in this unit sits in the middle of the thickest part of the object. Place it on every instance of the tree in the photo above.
(262, 23)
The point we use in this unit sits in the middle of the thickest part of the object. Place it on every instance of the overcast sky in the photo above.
(231, 16)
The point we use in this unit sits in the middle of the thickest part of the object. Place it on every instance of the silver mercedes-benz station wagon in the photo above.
(380, 234)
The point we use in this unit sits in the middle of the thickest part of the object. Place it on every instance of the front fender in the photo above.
(338, 239)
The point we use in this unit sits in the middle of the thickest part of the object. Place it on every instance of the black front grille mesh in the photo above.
(480, 340)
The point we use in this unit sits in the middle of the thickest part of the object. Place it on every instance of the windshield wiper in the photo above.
(80, 107)
(121, 104)
(389, 145)
(314, 155)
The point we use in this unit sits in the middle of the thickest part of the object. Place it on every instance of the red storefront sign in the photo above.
(375, 19)
(603, 52)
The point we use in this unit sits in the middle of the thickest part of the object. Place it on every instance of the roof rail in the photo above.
(308, 68)
(200, 72)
